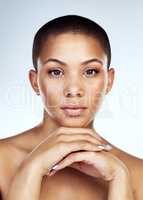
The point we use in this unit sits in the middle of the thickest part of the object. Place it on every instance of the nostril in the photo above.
(74, 92)
(69, 94)
(79, 94)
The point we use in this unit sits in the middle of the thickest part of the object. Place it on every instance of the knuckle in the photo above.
(93, 132)
(60, 129)
(87, 136)
(73, 146)
(61, 144)
(89, 130)
(92, 153)
(83, 144)
(73, 157)
(60, 136)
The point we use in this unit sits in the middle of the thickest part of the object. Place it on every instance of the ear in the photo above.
(110, 79)
(33, 80)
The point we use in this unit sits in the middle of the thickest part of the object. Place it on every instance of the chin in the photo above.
(75, 123)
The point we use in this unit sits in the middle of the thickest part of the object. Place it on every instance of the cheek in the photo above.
(99, 87)
(51, 93)
(96, 93)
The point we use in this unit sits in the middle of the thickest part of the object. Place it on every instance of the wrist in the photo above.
(25, 183)
(30, 167)
(121, 173)
(121, 176)
(120, 186)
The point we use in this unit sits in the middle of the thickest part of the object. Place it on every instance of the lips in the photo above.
(73, 110)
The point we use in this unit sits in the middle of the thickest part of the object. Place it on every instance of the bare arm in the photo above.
(26, 183)
(120, 187)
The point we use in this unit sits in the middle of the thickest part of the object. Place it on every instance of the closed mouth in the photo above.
(73, 107)
(73, 112)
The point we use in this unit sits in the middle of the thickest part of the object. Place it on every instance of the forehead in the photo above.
(72, 46)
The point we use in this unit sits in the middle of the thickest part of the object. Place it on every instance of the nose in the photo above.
(73, 93)
(74, 90)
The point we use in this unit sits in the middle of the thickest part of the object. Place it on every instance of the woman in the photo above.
(63, 157)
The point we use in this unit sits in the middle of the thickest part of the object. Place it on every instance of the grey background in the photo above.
(121, 118)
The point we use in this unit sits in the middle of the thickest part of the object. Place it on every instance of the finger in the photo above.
(80, 130)
(65, 148)
(82, 145)
(90, 148)
(98, 148)
(73, 158)
(85, 136)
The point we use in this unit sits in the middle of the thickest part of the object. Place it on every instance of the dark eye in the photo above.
(91, 72)
(55, 72)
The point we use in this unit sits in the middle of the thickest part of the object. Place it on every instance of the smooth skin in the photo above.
(85, 171)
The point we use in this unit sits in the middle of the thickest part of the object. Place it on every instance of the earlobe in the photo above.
(33, 81)
(111, 74)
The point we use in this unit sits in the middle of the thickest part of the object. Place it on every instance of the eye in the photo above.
(91, 72)
(55, 72)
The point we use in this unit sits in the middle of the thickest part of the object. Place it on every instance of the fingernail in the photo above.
(55, 167)
(52, 172)
(100, 146)
(108, 146)
(105, 147)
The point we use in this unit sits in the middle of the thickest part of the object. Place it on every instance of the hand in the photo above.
(62, 142)
(96, 164)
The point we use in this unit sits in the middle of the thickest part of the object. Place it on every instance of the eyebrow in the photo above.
(83, 63)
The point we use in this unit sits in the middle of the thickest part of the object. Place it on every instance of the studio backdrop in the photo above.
(121, 118)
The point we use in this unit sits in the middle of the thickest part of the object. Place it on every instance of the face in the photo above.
(72, 70)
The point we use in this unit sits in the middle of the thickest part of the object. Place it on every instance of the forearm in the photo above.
(26, 184)
(120, 187)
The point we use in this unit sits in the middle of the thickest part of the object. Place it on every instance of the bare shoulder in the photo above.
(8, 146)
(135, 166)
(138, 179)
(13, 151)
(19, 142)
(14, 148)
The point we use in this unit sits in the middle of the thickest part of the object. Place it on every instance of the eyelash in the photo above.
(53, 70)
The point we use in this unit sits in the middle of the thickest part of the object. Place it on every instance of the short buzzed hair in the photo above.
(73, 24)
